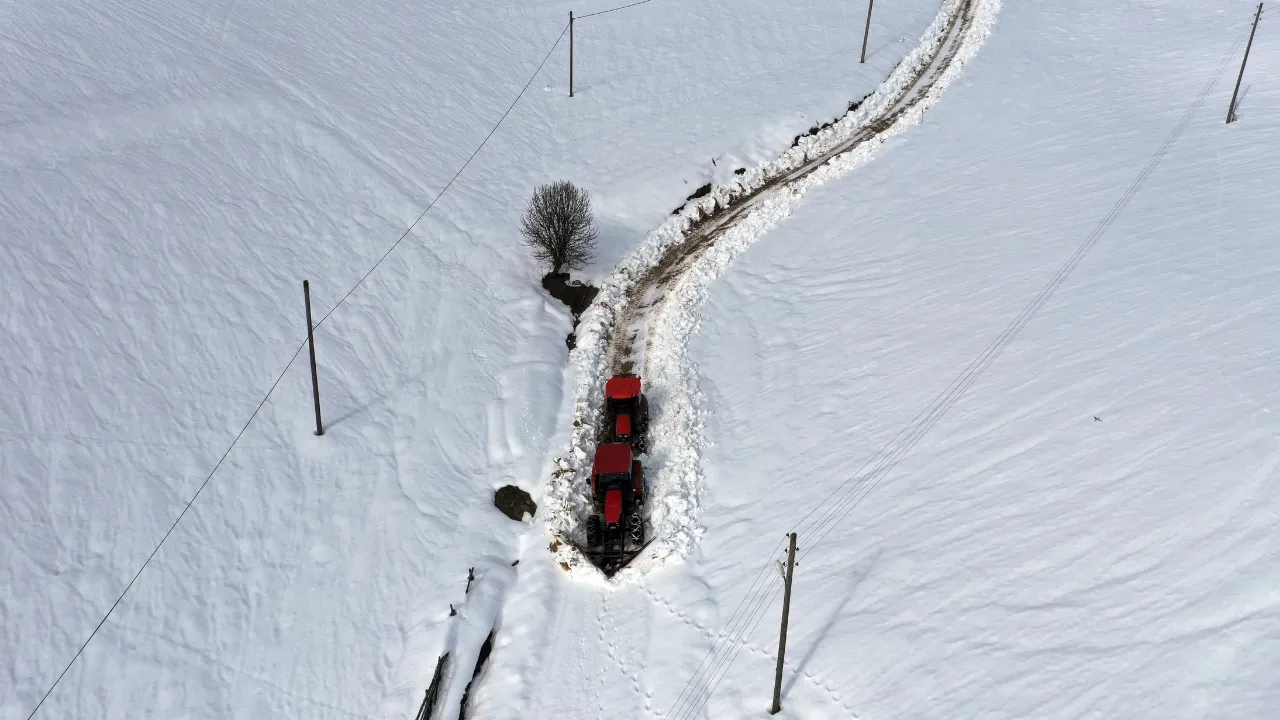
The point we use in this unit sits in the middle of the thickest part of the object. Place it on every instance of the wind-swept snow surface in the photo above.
(172, 172)
(1092, 530)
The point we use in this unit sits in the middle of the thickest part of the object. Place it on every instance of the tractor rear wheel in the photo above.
(593, 532)
(642, 427)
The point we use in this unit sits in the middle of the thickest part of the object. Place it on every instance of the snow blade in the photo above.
(609, 560)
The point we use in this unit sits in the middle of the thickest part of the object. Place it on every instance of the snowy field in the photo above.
(173, 172)
(1026, 560)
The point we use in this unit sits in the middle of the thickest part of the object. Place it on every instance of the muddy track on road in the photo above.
(648, 293)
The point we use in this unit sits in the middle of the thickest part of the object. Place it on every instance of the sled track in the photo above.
(649, 291)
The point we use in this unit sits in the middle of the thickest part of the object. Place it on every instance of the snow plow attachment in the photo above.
(609, 558)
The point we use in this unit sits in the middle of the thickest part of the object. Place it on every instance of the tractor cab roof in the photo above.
(612, 458)
(622, 388)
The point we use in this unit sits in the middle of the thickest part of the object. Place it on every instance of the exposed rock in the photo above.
(703, 191)
(515, 503)
(576, 295)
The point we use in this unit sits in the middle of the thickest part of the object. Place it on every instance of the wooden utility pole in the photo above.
(867, 32)
(782, 638)
(570, 53)
(1231, 111)
(311, 342)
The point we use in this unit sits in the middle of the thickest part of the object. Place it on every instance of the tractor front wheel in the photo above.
(637, 528)
(594, 534)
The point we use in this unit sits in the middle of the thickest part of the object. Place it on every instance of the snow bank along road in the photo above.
(650, 290)
(644, 314)
(641, 321)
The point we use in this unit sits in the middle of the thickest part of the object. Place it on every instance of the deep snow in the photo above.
(172, 173)
(1026, 559)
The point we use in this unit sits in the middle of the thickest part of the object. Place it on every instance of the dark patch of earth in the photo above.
(576, 296)
(514, 502)
(485, 649)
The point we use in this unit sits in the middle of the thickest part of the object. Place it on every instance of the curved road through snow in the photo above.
(643, 317)
(607, 636)
(649, 292)
(641, 322)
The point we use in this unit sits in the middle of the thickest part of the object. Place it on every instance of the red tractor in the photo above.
(626, 412)
(615, 529)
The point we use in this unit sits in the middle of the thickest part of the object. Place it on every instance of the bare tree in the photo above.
(560, 227)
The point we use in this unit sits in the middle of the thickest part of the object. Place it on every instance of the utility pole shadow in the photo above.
(832, 619)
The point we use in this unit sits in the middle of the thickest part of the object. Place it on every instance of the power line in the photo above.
(725, 654)
(167, 533)
(889, 456)
(455, 175)
(765, 602)
(729, 632)
(623, 7)
(836, 512)
(280, 377)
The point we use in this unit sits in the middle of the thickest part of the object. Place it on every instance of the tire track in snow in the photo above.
(647, 311)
